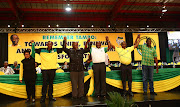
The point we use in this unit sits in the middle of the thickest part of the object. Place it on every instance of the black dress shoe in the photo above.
(98, 96)
(42, 101)
(153, 93)
(124, 94)
(145, 93)
(131, 94)
(52, 99)
(27, 100)
(81, 98)
(74, 98)
(104, 96)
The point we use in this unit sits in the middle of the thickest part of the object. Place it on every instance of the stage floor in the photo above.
(165, 99)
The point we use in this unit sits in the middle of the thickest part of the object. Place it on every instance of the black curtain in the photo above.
(163, 45)
(129, 41)
(3, 48)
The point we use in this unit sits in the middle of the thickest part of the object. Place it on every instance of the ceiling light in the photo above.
(22, 25)
(164, 10)
(79, 26)
(92, 25)
(127, 26)
(49, 25)
(68, 9)
(9, 25)
(147, 25)
(57, 25)
(109, 25)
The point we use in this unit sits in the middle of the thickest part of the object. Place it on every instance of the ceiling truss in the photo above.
(84, 30)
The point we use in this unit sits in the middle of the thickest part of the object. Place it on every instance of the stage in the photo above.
(166, 82)
(164, 99)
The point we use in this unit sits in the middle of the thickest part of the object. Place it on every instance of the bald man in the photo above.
(126, 67)
(99, 68)
(15, 39)
(6, 69)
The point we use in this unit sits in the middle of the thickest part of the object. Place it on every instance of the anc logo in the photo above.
(119, 40)
(144, 38)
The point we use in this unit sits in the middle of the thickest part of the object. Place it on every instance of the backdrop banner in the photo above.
(18, 42)
(154, 42)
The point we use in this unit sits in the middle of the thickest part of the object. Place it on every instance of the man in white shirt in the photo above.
(6, 69)
(99, 68)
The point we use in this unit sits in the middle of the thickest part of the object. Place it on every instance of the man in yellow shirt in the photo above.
(126, 67)
(48, 68)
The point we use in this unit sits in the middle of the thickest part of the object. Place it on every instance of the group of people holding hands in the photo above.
(49, 60)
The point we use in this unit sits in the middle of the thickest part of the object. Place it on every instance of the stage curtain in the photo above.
(166, 79)
(3, 48)
(163, 44)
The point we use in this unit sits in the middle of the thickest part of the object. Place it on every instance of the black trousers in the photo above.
(99, 70)
(77, 81)
(30, 88)
(126, 72)
(48, 77)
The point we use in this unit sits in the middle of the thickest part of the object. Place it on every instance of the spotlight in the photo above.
(49, 25)
(9, 25)
(147, 25)
(22, 25)
(164, 10)
(92, 25)
(109, 25)
(127, 26)
(79, 26)
(68, 9)
(57, 25)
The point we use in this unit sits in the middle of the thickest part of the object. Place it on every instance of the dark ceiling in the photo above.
(100, 13)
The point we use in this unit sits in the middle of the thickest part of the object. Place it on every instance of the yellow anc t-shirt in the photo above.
(48, 57)
(48, 60)
(125, 54)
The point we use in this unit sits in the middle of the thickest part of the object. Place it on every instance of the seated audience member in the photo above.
(15, 67)
(38, 69)
(6, 69)
(65, 67)
(107, 62)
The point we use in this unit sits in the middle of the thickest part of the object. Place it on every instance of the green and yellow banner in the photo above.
(18, 42)
(166, 79)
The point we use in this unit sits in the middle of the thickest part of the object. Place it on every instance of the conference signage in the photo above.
(21, 41)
